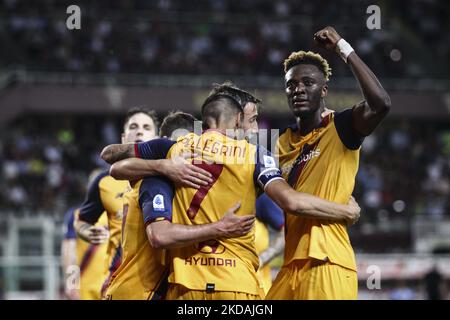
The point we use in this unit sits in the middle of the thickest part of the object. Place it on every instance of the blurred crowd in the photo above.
(45, 161)
(404, 169)
(241, 37)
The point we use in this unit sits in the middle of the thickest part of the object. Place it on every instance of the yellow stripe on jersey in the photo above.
(319, 164)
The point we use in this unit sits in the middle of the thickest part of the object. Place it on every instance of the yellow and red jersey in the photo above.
(141, 274)
(91, 259)
(106, 194)
(238, 168)
(323, 163)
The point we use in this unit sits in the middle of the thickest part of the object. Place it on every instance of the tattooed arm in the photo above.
(117, 152)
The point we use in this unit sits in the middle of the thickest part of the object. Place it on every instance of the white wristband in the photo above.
(343, 48)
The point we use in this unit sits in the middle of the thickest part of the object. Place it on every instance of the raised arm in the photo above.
(306, 205)
(164, 234)
(368, 114)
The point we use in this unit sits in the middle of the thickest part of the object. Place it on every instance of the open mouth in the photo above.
(138, 140)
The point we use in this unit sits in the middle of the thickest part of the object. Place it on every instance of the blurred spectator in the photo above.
(45, 162)
(434, 284)
(402, 292)
(210, 37)
(43, 168)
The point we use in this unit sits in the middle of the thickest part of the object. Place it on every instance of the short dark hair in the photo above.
(226, 96)
(176, 120)
(229, 90)
(135, 110)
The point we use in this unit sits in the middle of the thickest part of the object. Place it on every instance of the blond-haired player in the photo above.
(320, 155)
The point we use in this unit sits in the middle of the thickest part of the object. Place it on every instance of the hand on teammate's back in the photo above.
(232, 225)
(185, 174)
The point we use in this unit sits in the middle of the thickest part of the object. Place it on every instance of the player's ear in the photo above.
(123, 138)
(239, 120)
(324, 91)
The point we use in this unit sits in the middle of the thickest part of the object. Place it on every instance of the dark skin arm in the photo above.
(309, 206)
(369, 113)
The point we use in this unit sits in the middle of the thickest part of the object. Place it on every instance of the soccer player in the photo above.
(147, 220)
(320, 155)
(179, 172)
(106, 193)
(84, 264)
(224, 268)
(268, 214)
(85, 281)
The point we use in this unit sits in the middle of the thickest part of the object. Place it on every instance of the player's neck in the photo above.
(307, 124)
(225, 129)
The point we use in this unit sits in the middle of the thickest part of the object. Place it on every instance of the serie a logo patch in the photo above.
(269, 162)
(158, 202)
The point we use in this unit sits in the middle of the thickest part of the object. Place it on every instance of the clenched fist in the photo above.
(327, 38)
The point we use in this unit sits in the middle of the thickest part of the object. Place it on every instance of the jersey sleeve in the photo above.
(155, 199)
(68, 229)
(344, 127)
(269, 212)
(266, 169)
(153, 149)
(92, 207)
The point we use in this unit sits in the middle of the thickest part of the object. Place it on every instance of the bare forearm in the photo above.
(117, 152)
(135, 169)
(164, 234)
(68, 253)
(303, 204)
(377, 98)
(310, 206)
